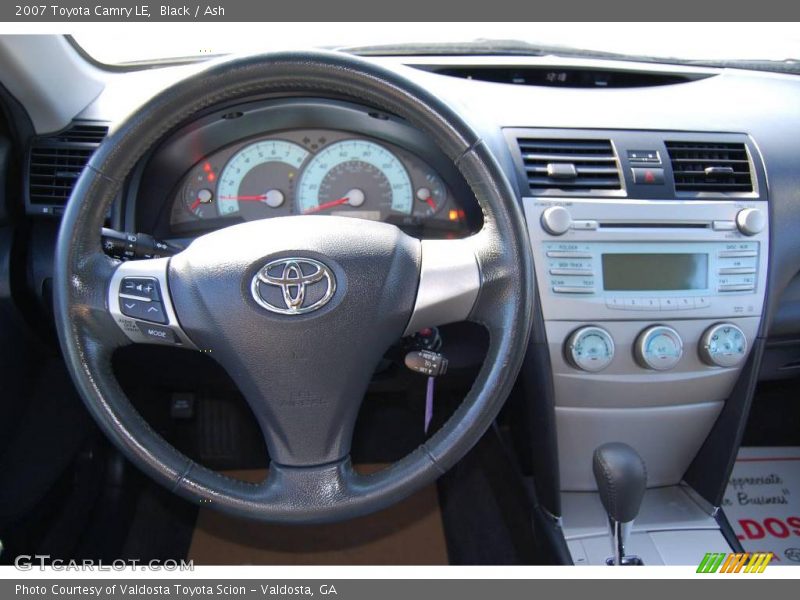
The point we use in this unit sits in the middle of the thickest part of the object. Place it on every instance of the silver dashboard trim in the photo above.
(449, 281)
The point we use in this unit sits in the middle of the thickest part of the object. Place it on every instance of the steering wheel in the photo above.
(345, 290)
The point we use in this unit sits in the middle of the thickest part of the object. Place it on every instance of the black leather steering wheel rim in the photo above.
(327, 492)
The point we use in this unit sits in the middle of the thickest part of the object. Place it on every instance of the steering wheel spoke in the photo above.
(139, 301)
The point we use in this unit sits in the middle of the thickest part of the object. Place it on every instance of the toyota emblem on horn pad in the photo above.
(293, 286)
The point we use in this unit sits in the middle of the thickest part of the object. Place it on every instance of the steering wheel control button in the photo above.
(157, 333)
(659, 348)
(140, 287)
(589, 349)
(143, 309)
(647, 176)
(723, 345)
(556, 220)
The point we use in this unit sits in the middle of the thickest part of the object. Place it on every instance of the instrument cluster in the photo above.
(314, 171)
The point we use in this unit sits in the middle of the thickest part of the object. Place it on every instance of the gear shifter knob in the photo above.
(621, 478)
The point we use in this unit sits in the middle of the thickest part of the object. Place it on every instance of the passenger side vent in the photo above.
(710, 167)
(56, 161)
(567, 165)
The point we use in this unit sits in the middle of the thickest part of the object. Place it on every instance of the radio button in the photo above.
(686, 303)
(702, 302)
(571, 271)
(749, 280)
(556, 220)
(615, 303)
(650, 304)
(566, 254)
(634, 304)
(744, 287)
(751, 221)
(729, 263)
(668, 303)
(723, 225)
(572, 289)
(737, 253)
(737, 271)
(585, 225)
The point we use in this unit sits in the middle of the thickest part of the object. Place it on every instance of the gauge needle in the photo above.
(354, 197)
(429, 201)
(195, 204)
(326, 205)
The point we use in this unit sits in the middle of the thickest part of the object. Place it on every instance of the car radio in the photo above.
(596, 258)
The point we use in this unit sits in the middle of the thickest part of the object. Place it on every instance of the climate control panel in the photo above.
(656, 347)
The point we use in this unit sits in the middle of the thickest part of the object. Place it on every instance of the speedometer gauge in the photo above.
(259, 179)
(355, 178)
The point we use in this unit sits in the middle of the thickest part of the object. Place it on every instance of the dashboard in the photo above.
(253, 161)
(662, 213)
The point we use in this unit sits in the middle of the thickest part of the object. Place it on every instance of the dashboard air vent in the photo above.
(569, 165)
(710, 167)
(56, 161)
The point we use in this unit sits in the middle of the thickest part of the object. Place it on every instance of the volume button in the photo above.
(556, 220)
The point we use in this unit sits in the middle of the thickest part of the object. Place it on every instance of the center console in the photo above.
(651, 292)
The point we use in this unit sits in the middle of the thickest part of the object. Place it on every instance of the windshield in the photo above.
(673, 42)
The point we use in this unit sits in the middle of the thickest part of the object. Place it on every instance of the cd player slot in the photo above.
(651, 225)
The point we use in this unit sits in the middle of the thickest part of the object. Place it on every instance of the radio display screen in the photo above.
(654, 272)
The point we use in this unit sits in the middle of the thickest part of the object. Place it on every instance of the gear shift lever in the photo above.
(621, 480)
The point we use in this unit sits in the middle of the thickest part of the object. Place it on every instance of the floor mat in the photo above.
(408, 533)
(762, 501)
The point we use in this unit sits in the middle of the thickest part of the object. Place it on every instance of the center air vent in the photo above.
(569, 165)
(710, 167)
(56, 161)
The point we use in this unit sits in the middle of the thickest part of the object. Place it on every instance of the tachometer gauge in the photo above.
(355, 178)
(259, 180)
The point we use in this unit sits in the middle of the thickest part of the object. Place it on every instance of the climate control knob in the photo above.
(589, 349)
(723, 345)
(659, 348)
(556, 220)
(750, 221)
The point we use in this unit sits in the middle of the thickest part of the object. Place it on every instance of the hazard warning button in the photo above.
(646, 176)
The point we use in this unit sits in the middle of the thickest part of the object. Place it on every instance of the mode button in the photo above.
(157, 333)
